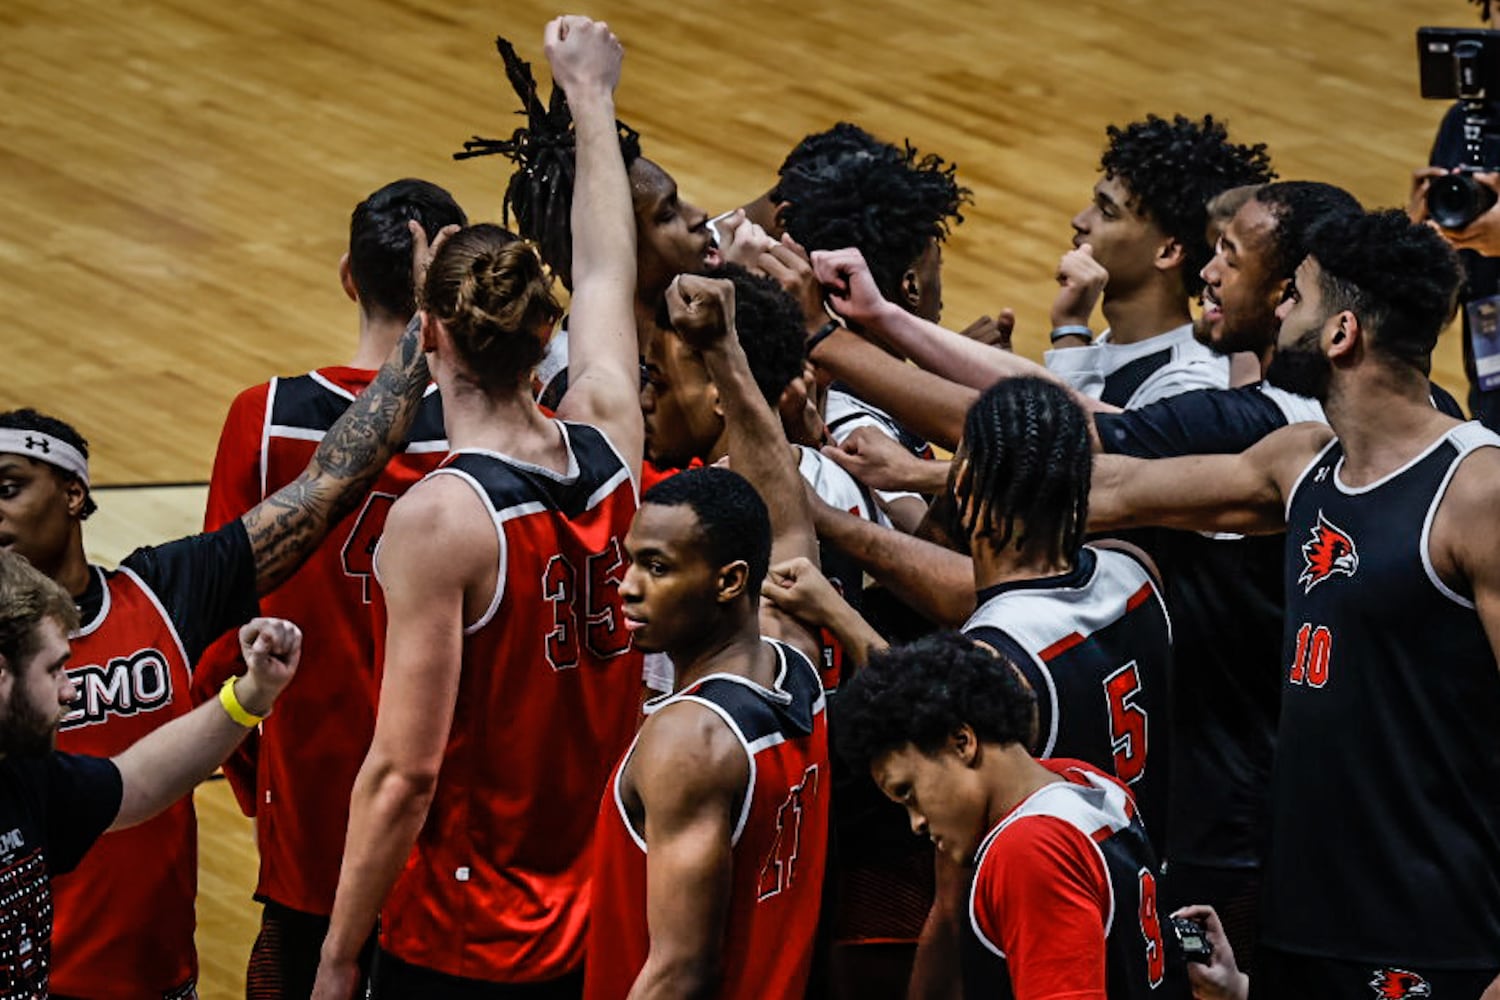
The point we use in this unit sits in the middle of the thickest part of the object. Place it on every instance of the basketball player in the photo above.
(1063, 899)
(712, 833)
(144, 626)
(303, 768)
(508, 684)
(1145, 231)
(672, 235)
(54, 806)
(686, 421)
(1386, 576)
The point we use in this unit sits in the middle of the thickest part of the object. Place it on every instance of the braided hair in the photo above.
(544, 150)
(1029, 462)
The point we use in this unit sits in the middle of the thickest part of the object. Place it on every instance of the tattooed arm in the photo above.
(289, 524)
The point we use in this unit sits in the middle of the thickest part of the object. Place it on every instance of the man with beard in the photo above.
(1141, 239)
(1391, 693)
(145, 625)
(1224, 594)
(54, 806)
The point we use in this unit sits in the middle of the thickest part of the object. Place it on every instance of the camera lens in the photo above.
(1455, 200)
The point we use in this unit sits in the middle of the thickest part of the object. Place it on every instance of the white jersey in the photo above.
(1132, 375)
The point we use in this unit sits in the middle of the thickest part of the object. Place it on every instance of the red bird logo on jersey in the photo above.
(1330, 552)
(1396, 984)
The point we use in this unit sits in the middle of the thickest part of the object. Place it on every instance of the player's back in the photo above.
(496, 887)
(304, 767)
(778, 844)
(1087, 827)
(1095, 645)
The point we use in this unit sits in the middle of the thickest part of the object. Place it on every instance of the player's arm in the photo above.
(1460, 553)
(165, 765)
(690, 774)
(603, 351)
(935, 581)
(952, 356)
(923, 402)
(883, 463)
(702, 312)
(1243, 493)
(1044, 901)
(425, 559)
(798, 588)
(288, 525)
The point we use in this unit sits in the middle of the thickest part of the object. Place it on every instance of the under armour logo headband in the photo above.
(44, 448)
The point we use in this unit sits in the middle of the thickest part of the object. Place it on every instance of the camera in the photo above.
(1457, 199)
(1463, 64)
(1194, 940)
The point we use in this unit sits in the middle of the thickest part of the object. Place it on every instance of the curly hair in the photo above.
(1400, 278)
(732, 518)
(845, 188)
(1029, 460)
(769, 323)
(28, 419)
(1172, 169)
(540, 192)
(490, 291)
(922, 692)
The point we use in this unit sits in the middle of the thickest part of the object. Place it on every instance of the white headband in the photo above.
(44, 448)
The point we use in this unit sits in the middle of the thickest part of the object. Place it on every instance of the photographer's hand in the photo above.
(1483, 234)
(1416, 202)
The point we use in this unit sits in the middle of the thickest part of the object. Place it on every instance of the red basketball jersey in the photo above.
(123, 923)
(779, 844)
(497, 886)
(302, 767)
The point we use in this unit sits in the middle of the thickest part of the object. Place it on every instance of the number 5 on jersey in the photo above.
(1127, 722)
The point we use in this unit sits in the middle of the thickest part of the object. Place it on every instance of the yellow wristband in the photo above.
(236, 711)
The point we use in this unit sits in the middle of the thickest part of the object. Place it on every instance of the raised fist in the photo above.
(701, 309)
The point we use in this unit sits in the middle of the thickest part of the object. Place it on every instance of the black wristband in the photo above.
(824, 332)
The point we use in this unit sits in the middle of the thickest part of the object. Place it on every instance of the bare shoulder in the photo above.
(687, 751)
(1285, 453)
(1461, 528)
(437, 527)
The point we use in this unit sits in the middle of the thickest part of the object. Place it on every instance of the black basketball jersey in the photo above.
(1089, 823)
(1095, 645)
(1385, 834)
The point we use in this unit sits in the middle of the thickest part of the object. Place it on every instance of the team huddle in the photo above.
(640, 641)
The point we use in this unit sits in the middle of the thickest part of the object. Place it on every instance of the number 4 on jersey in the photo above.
(359, 550)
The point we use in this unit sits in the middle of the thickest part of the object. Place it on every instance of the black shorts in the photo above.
(398, 980)
(284, 959)
(1280, 975)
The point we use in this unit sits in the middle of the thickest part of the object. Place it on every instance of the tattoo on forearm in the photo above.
(289, 524)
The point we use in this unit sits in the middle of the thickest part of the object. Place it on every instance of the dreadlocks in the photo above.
(540, 192)
(846, 188)
(1029, 460)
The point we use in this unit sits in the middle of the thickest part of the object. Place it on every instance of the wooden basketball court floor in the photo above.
(178, 176)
